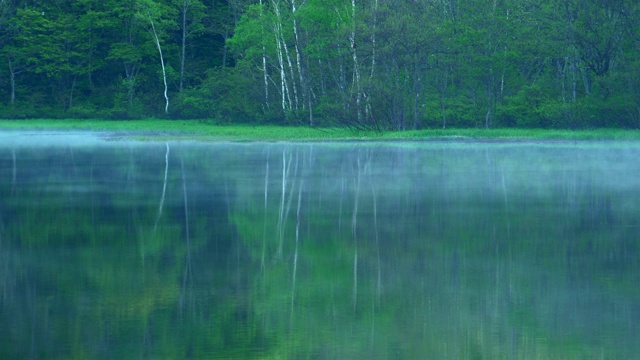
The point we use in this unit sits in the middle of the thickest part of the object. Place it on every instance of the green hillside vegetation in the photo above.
(363, 64)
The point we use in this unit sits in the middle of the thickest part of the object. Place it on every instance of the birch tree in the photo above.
(356, 67)
(159, 17)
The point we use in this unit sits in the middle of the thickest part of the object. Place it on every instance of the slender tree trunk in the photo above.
(562, 71)
(306, 92)
(286, 93)
(368, 108)
(183, 49)
(12, 75)
(488, 115)
(264, 60)
(73, 87)
(443, 97)
(416, 94)
(574, 81)
(291, 70)
(225, 36)
(164, 72)
(280, 51)
(373, 39)
(490, 100)
(354, 54)
(283, 51)
(131, 71)
(297, 47)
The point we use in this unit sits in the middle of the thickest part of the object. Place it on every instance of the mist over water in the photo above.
(444, 250)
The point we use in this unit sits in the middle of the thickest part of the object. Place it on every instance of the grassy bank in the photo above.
(200, 130)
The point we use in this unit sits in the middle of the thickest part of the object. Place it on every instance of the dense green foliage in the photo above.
(361, 63)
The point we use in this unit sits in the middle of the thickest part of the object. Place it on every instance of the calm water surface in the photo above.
(436, 250)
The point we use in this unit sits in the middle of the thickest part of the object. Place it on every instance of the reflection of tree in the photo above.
(164, 188)
(468, 270)
(459, 254)
(100, 275)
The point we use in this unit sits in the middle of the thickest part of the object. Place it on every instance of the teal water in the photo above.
(435, 250)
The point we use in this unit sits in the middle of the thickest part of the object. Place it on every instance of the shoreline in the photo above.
(196, 130)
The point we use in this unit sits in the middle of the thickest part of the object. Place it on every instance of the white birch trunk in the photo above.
(291, 70)
(264, 61)
(283, 75)
(297, 48)
(373, 39)
(164, 71)
(356, 71)
(279, 48)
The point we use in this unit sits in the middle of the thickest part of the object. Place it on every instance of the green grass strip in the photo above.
(155, 129)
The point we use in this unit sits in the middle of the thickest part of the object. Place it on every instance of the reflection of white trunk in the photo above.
(264, 226)
(187, 269)
(164, 188)
(14, 173)
(186, 205)
(93, 201)
(295, 254)
(73, 161)
(354, 220)
(340, 201)
(375, 301)
(164, 72)
(506, 203)
(290, 200)
(375, 230)
(281, 217)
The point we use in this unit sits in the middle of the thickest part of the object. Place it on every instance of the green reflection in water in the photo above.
(424, 250)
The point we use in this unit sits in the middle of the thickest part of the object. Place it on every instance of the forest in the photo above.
(367, 64)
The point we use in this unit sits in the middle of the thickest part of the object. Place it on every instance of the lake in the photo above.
(118, 249)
